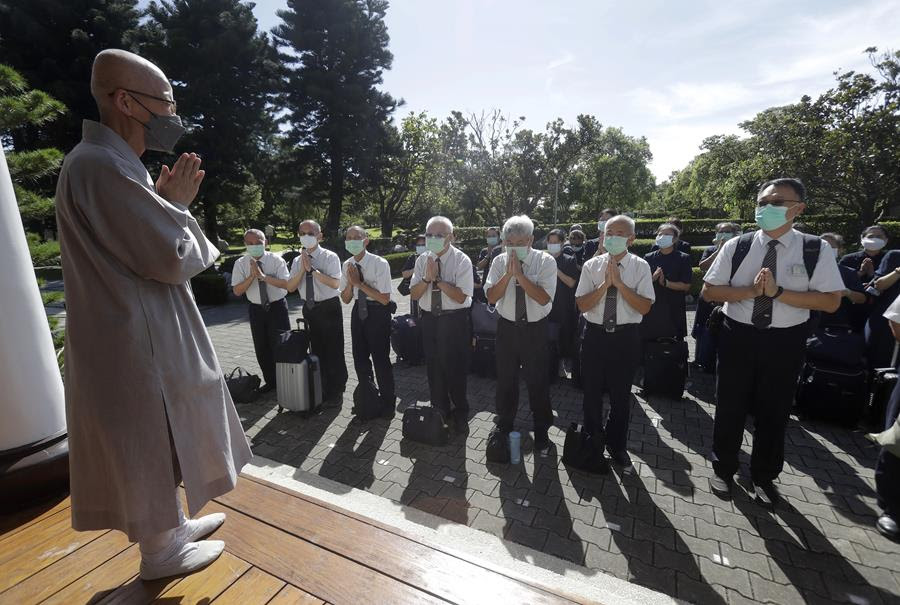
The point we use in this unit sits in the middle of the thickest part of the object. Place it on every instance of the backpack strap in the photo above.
(812, 248)
(740, 252)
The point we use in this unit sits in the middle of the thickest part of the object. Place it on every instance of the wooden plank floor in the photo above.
(281, 548)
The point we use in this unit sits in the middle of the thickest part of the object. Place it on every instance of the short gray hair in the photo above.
(312, 222)
(362, 230)
(518, 225)
(622, 218)
(256, 232)
(443, 220)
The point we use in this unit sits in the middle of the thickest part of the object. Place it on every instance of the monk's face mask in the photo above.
(161, 133)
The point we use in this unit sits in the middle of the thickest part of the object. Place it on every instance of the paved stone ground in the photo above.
(660, 527)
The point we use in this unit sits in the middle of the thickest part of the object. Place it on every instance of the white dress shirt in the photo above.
(539, 267)
(456, 270)
(376, 273)
(272, 265)
(324, 261)
(635, 273)
(790, 274)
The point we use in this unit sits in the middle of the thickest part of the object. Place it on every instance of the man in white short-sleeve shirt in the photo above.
(522, 283)
(260, 275)
(762, 340)
(442, 283)
(614, 293)
(366, 281)
(316, 273)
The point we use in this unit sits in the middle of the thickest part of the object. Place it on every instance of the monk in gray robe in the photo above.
(146, 403)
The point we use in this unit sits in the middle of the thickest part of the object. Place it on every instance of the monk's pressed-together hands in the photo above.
(181, 182)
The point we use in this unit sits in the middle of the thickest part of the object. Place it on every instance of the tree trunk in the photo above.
(211, 221)
(335, 191)
(387, 226)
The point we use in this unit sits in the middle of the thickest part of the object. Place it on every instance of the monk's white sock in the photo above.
(191, 530)
(166, 555)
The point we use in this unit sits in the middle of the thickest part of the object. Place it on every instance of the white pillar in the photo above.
(32, 406)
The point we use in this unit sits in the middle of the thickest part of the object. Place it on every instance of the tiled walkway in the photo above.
(661, 527)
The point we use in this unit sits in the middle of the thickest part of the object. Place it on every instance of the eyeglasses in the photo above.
(435, 235)
(302, 233)
(764, 202)
(149, 96)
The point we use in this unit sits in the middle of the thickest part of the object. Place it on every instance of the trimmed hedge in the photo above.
(210, 288)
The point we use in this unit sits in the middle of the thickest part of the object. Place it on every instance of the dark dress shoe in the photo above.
(887, 527)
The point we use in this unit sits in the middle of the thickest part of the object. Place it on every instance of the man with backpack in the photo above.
(769, 281)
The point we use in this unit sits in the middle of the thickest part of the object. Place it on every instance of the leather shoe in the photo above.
(621, 457)
(720, 487)
(541, 441)
(266, 388)
(766, 493)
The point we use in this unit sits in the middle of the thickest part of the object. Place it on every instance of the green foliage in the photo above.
(696, 281)
(53, 44)
(223, 93)
(42, 253)
(335, 54)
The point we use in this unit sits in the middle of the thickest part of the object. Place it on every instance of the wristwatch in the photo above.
(778, 292)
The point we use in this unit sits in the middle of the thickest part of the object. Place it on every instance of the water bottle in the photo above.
(515, 452)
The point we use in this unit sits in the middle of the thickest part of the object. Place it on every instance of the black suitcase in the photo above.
(665, 367)
(406, 339)
(584, 451)
(883, 382)
(425, 424)
(832, 393)
(484, 355)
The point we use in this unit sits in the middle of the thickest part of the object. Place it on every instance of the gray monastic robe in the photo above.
(139, 362)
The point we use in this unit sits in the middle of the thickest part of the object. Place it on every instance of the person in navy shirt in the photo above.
(705, 352)
(853, 297)
(576, 247)
(879, 343)
(866, 261)
(591, 247)
(680, 244)
(671, 271)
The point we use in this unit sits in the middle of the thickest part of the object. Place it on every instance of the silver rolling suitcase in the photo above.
(299, 385)
(298, 375)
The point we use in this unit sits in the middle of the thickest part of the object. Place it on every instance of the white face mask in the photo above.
(873, 243)
(309, 241)
(664, 241)
(554, 248)
(834, 251)
(601, 225)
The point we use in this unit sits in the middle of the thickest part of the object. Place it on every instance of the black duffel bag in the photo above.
(837, 345)
(584, 451)
(367, 401)
(497, 449)
(242, 385)
(425, 424)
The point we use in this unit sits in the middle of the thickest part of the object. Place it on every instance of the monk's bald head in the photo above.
(116, 69)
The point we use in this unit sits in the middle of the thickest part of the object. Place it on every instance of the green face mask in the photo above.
(354, 246)
(615, 244)
(520, 251)
(256, 250)
(435, 244)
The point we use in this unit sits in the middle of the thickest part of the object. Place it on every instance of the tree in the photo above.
(224, 75)
(336, 51)
(32, 170)
(53, 45)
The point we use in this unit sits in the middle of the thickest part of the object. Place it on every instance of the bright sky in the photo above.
(675, 72)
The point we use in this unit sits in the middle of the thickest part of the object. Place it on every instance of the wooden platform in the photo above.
(281, 548)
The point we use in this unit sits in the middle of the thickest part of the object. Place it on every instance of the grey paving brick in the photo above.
(611, 562)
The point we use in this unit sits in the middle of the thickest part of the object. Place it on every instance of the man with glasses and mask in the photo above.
(146, 403)
(261, 276)
(595, 246)
(442, 283)
(522, 283)
(316, 273)
(767, 297)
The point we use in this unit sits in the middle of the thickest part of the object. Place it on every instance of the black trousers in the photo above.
(371, 344)
(608, 363)
(448, 344)
(524, 346)
(887, 470)
(266, 327)
(326, 341)
(757, 373)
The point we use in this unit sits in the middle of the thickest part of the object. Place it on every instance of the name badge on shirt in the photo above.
(798, 271)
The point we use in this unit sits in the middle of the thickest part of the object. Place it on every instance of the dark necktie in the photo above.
(263, 292)
(610, 309)
(521, 307)
(762, 305)
(437, 302)
(310, 287)
(361, 298)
